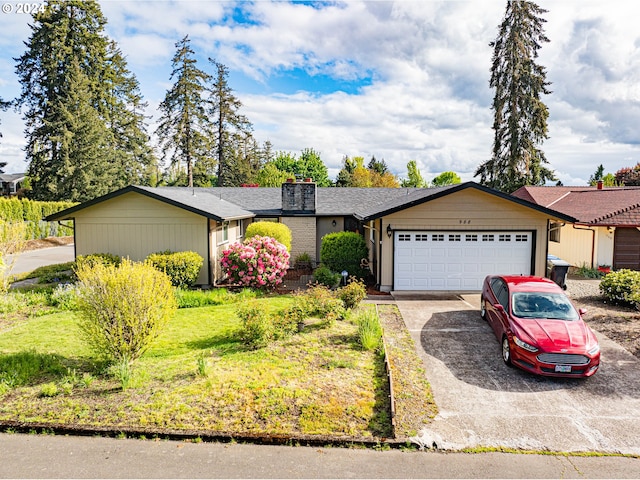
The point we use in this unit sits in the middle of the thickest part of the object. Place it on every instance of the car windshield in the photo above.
(543, 305)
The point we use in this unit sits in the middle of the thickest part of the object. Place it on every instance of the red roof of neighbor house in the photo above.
(609, 206)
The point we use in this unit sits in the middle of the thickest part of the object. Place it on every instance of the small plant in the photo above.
(352, 293)
(257, 329)
(587, 272)
(122, 371)
(302, 261)
(369, 330)
(49, 390)
(202, 364)
(65, 297)
(324, 276)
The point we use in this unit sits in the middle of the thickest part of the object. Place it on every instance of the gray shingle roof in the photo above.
(201, 201)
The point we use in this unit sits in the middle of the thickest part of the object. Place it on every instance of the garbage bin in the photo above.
(557, 270)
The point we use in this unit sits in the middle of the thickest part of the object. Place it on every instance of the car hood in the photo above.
(556, 335)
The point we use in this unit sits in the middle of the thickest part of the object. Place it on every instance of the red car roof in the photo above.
(530, 283)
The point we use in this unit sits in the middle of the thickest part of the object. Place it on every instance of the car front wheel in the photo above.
(483, 308)
(506, 351)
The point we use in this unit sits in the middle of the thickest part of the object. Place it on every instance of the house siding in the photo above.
(466, 210)
(133, 225)
(584, 246)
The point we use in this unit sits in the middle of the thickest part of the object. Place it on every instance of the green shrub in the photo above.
(344, 251)
(587, 272)
(369, 330)
(352, 293)
(323, 303)
(31, 213)
(324, 276)
(622, 286)
(278, 231)
(104, 258)
(182, 268)
(302, 261)
(124, 308)
(257, 329)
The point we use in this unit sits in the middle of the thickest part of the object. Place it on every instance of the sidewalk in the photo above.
(41, 456)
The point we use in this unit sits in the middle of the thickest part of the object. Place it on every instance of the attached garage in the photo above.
(451, 238)
(455, 260)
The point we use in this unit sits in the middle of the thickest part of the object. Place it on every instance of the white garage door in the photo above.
(458, 260)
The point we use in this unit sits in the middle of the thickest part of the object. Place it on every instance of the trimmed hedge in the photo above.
(181, 267)
(344, 251)
(32, 212)
(279, 231)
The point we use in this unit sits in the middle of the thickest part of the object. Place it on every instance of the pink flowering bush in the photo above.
(260, 262)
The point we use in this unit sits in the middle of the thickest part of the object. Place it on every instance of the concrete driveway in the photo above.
(482, 402)
(32, 259)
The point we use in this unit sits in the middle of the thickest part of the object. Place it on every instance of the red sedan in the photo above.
(539, 328)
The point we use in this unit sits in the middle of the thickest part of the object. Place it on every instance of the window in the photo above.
(223, 233)
(404, 237)
(422, 237)
(455, 238)
(488, 238)
(554, 232)
(471, 238)
(437, 238)
(522, 238)
(504, 238)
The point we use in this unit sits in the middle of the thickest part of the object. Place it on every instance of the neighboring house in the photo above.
(10, 183)
(605, 232)
(446, 238)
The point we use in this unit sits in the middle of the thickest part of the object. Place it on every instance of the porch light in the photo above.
(389, 231)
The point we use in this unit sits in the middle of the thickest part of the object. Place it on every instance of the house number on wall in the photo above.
(465, 222)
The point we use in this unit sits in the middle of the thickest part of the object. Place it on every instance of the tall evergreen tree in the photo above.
(3, 106)
(520, 116)
(378, 166)
(68, 50)
(183, 128)
(230, 128)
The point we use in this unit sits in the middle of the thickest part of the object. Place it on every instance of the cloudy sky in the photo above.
(404, 80)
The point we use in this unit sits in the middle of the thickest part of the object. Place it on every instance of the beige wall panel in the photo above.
(465, 210)
(303, 236)
(324, 227)
(574, 247)
(113, 227)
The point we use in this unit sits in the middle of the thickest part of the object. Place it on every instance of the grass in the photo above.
(198, 377)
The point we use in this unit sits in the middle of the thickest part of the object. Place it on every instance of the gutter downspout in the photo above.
(73, 228)
(593, 242)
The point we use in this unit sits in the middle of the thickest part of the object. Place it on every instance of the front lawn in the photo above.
(199, 378)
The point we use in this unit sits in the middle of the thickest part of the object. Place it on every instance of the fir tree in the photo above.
(68, 50)
(520, 116)
(3, 106)
(231, 130)
(183, 128)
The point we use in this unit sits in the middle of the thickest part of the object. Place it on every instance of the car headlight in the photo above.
(594, 349)
(524, 345)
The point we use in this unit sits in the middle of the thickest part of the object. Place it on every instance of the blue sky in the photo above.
(404, 80)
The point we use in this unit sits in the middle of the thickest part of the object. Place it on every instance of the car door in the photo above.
(497, 319)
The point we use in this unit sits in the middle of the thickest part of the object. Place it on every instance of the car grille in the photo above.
(563, 359)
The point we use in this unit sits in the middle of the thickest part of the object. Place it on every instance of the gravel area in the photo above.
(581, 288)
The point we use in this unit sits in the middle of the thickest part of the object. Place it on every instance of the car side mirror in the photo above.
(499, 307)
(582, 311)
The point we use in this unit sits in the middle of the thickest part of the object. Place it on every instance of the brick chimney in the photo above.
(299, 197)
(600, 184)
